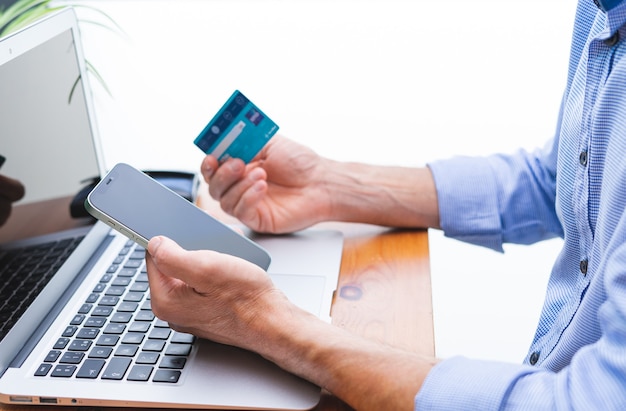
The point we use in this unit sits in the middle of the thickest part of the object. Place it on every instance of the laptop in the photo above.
(76, 326)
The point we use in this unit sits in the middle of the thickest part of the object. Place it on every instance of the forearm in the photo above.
(363, 373)
(383, 195)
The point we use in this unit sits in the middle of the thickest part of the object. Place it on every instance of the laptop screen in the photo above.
(45, 135)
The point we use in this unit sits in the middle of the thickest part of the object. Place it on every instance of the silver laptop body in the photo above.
(88, 304)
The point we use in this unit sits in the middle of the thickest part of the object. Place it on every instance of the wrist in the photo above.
(383, 195)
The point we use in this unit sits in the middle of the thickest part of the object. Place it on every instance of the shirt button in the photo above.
(583, 266)
(534, 357)
(613, 40)
(582, 158)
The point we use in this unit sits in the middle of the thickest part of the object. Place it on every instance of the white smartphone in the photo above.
(140, 208)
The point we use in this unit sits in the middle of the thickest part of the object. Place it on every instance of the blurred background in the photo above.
(386, 81)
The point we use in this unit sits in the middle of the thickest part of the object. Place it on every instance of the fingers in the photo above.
(11, 189)
(223, 178)
(245, 193)
(173, 263)
(202, 271)
(206, 293)
(236, 186)
(207, 167)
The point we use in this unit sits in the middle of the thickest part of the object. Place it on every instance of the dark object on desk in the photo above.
(182, 183)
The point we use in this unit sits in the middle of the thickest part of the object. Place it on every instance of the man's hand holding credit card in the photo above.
(238, 130)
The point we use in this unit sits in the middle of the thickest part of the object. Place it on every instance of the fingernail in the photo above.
(235, 166)
(153, 244)
(207, 172)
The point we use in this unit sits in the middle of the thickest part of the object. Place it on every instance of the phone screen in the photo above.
(141, 208)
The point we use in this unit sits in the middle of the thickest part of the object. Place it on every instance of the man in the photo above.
(575, 188)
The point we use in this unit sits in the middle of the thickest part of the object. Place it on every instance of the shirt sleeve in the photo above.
(594, 379)
(459, 383)
(497, 199)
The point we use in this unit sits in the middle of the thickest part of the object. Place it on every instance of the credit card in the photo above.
(238, 130)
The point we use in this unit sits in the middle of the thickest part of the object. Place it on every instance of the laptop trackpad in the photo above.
(305, 291)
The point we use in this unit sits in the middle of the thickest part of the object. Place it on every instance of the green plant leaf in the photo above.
(20, 10)
(23, 12)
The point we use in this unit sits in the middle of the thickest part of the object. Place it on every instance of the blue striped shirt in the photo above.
(574, 188)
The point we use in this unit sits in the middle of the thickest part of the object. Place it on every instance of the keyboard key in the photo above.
(85, 308)
(142, 278)
(121, 281)
(127, 307)
(61, 343)
(145, 357)
(160, 334)
(116, 369)
(176, 363)
(170, 376)
(182, 338)
(133, 338)
(108, 340)
(154, 345)
(102, 311)
(115, 328)
(106, 278)
(109, 300)
(72, 357)
(140, 373)
(43, 370)
(70, 331)
(95, 322)
(178, 349)
(161, 324)
(127, 272)
(144, 316)
(138, 255)
(133, 263)
(134, 297)
(117, 291)
(121, 318)
(52, 356)
(64, 371)
(139, 286)
(126, 351)
(100, 352)
(80, 345)
(92, 298)
(90, 369)
(78, 319)
(88, 333)
(139, 327)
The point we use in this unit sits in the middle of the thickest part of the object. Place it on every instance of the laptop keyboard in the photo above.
(24, 272)
(115, 336)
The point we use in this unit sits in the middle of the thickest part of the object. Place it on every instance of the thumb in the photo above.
(173, 261)
(165, 255)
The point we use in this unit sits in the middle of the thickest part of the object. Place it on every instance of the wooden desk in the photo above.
(384, 293)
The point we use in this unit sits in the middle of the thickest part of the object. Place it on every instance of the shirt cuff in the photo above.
(468, 201)
(459, 383)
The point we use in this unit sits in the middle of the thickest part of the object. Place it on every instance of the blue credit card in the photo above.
(238, 130)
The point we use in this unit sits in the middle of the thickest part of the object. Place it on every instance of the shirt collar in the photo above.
(607, 5)
(615, 11)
